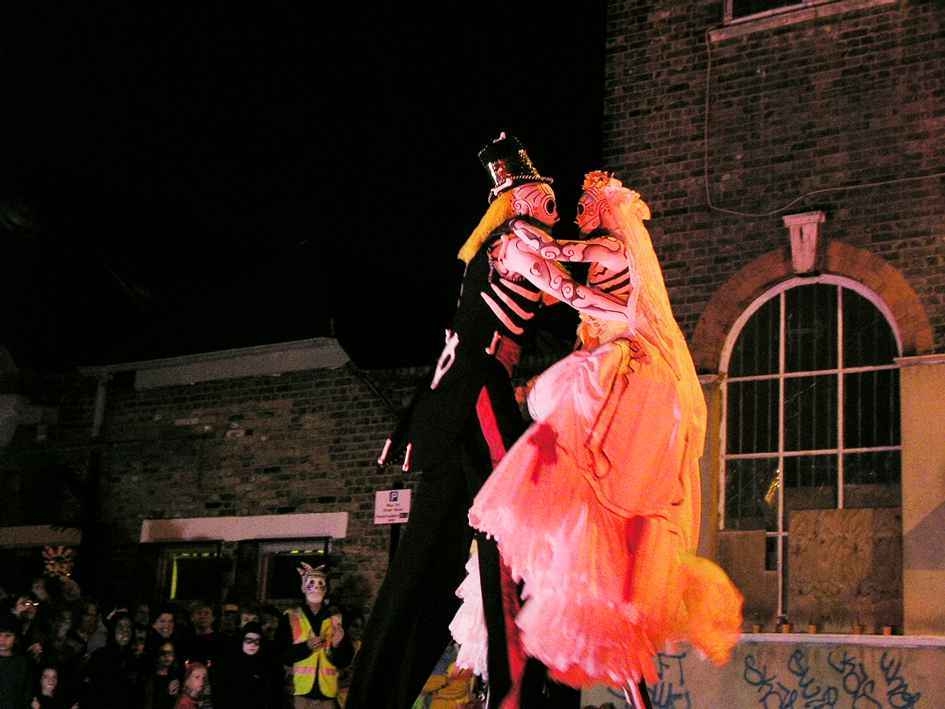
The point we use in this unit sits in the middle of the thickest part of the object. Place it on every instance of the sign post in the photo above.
(392, 507)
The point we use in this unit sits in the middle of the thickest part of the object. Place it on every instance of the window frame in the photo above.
(781, 376)
(167, 571)
(728, 10)
(799, 12)
(728, 13)
(271, 547)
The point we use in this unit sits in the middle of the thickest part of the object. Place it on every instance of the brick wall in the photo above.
(300, 442)
(848, 100)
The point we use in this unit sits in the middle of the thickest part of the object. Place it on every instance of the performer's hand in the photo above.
(337, 632)
(521, 395)
(314, 642)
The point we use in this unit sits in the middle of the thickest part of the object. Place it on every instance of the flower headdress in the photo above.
(58, 561)
(597, 180)
(605, 185)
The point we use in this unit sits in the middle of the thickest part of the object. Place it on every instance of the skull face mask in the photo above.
(314, 582)
(588, 213)
(535, 200)
(593, 206)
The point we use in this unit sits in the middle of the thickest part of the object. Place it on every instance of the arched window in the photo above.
(811, 409)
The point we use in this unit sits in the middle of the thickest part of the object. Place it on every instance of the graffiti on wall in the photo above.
(671, 691)
(792, 677)
(846, 681)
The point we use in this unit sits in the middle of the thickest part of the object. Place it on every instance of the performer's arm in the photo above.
(608, 251)
(554, 280)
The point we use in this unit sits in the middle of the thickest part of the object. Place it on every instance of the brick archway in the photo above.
(840, 259)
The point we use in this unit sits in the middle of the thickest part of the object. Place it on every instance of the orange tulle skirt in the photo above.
(592, 513)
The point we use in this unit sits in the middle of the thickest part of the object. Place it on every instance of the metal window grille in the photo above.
(811, 409)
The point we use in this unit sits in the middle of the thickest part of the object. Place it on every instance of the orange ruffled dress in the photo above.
(596, 510)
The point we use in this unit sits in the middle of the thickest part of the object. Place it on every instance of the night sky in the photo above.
(204, 176)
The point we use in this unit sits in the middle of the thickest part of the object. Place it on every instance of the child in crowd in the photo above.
(48, 695)
(247, 675)
(194, 687)
(162, 685)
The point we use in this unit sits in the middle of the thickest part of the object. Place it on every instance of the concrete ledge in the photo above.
(264, 360)
(847, 639)
(38, 535)
(232, 529)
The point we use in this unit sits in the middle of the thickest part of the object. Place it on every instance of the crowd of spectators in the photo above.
(62, 650)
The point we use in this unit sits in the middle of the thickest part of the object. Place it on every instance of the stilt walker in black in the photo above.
(459, 425)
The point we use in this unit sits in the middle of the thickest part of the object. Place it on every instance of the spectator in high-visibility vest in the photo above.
(314, 643)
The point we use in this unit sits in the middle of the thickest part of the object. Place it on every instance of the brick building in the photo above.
(204, 471)
(793, 155)
(206, 474)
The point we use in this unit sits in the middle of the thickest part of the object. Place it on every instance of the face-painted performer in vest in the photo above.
(602, 494)
(314, 643)
(461, 422)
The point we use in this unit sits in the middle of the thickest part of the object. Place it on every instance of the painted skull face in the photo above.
(590, 209)
(535, 200)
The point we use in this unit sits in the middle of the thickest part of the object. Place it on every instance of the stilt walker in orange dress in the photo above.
(601, 494)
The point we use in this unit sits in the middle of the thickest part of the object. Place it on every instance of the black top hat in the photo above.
(508, 165)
